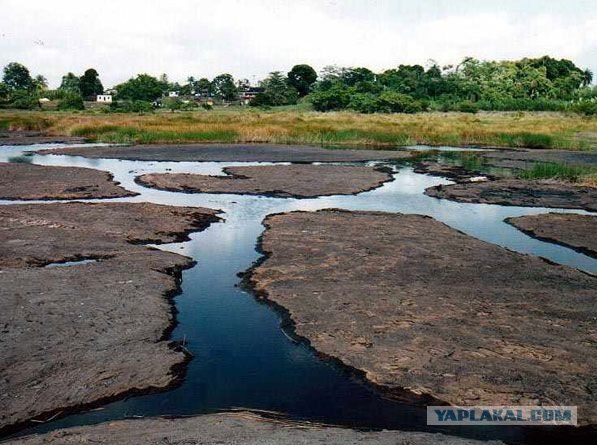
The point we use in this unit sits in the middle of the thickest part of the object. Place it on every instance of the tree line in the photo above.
(530, 84)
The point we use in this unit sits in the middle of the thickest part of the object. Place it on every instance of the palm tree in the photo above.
(587, 77)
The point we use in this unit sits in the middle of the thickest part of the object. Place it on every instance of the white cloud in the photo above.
(251, 38)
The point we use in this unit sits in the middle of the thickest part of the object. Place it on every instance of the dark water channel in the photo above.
(242, 358)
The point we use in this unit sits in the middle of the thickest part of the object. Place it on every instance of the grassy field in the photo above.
(294, 126)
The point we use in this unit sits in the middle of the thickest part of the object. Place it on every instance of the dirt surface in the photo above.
(450, 171)
(300, 181)
(37, 182)
(522, 159)
(36, 137)
(232, 429)
(74, 335)
(575, 231)
(231, 153)
(417, 305)
(518, 192)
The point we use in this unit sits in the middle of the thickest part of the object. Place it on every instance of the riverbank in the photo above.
(506, 129)
(234, 429)
(445, 315)
(86, 310)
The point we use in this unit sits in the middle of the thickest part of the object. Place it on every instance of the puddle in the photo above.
(70, 263)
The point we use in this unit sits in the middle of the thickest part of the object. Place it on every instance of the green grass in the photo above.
(123, 135)
(558, 171)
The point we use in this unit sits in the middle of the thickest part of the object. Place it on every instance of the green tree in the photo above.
(336, 97)
(4, 92)
(143, 87)
(301, 77)
(223, 87)
(90, 84)
(70, 83)
(71, 101)
(276, 91)
(17, 77)
(40, 84)
(203, 87)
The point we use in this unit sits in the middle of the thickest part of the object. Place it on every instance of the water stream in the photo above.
(241, 356)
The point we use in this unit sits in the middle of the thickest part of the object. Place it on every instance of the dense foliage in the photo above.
(538, 84)
(528, 84)
(277, 90)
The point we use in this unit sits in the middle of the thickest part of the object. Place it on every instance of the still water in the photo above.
(242, 358)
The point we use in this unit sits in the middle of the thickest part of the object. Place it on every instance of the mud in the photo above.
(450, 171)
(36, 137)
(231, 153)
(36, 182)
(232, 429)
(575, 231)
(299, 181)
(76, 335)
(519, 192)
(419, 306)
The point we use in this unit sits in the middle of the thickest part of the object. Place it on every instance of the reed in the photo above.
(295, 126)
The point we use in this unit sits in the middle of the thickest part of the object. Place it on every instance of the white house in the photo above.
(104, 98)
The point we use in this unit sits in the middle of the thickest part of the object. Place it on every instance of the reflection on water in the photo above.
(241, 356)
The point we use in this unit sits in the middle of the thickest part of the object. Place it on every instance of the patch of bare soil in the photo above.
(37, 182)
(232, 429)
(300, 181)
(75, 335)
(519, 192)
(575, 231)
(417, 305)
(231, 153)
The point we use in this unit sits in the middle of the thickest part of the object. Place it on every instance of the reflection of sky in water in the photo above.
(241, 356)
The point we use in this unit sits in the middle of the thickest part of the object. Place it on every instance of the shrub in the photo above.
(586, 107)
(364, 103)
(135, 106)
(468, 107)
(23, 101)
(335, 98)
(71, 101)
(392, 102)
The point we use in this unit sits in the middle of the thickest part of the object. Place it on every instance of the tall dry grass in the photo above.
(537, 130)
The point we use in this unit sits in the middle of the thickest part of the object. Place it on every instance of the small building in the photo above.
(104, 98)
(249, 94)
(173, 94)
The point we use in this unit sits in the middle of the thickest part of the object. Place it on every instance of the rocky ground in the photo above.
(232, 153)
(450, 171)
(75, 335)
(575, 231)
(518, 192)
(37, 182)
(300, 181)
(232, 429)
(415, 304)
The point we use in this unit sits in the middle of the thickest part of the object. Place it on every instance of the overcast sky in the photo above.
(251, 38)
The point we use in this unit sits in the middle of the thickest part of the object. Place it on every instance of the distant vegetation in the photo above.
(256, 125)
(539, 84)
